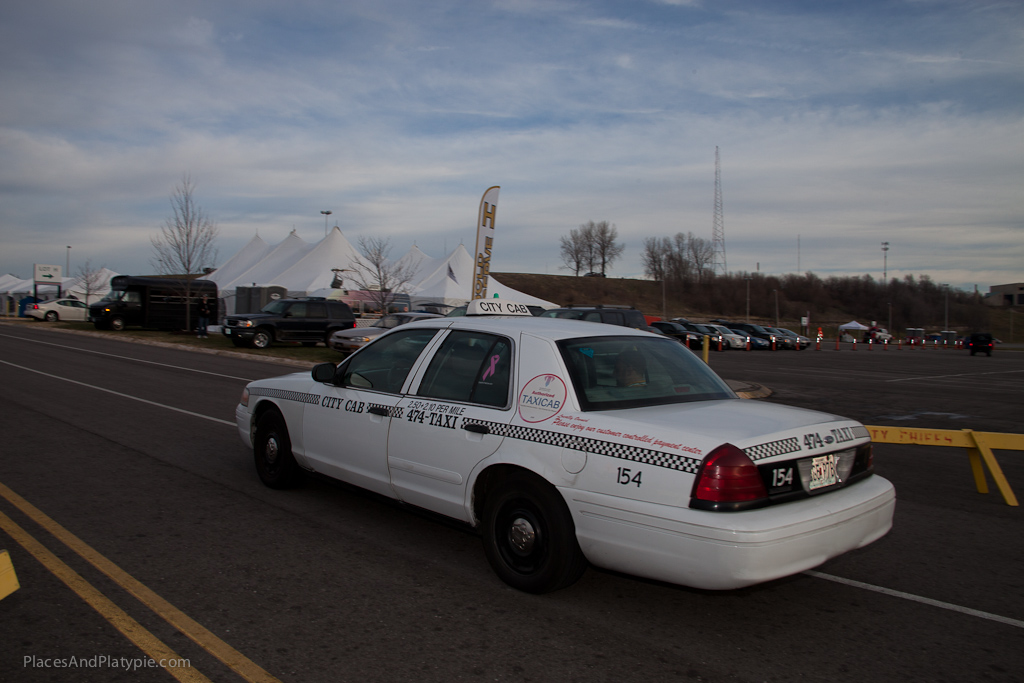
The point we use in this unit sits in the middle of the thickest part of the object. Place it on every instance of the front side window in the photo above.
(611, 373)
(384, 365)
(471, 367)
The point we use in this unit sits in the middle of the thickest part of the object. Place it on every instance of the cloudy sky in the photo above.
(840, 125)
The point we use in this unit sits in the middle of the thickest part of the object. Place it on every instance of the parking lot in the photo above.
(132, 449)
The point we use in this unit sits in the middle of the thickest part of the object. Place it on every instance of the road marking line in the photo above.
(965, 374)
(202, 636)
(136, 360)
(118, 618)
(917, 598)
(118, 393)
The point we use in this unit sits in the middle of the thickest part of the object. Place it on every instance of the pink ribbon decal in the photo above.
(490, 371)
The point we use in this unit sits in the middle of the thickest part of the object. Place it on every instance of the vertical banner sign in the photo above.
(484, 241)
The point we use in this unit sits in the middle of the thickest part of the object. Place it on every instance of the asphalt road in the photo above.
(131, 449)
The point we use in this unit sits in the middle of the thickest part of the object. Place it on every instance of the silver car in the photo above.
(354, 339)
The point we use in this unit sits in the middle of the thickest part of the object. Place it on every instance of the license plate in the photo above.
(823, 472)
(227, 330)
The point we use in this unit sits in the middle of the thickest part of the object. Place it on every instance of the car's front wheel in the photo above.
(51, 316)
(261, 339)
(272, 449)
(117, 324)
(529, 536)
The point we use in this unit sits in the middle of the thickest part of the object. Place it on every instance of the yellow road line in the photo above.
(238, 662)
(132, 630)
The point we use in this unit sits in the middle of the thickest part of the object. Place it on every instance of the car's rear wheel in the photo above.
(117, 324)
(272, 450)
(51, 316)
(529, 536)
(261, 339)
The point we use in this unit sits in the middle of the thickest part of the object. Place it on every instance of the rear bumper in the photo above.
(727, 550)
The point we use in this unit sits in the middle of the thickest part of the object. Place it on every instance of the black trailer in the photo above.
(154, 303)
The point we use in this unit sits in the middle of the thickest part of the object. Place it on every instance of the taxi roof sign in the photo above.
(496, 307)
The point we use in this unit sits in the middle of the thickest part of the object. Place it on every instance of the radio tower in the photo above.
(718, 264)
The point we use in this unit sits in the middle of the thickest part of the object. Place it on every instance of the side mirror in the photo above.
(323, 373)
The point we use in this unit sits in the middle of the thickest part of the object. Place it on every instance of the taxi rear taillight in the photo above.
(728, 480)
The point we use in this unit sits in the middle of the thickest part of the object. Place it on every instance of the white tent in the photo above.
(451, 284)
(249, 255)
(309, 270)
(100, 287)
(315, 270)
(853, 325)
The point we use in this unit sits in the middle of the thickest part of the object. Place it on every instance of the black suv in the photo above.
(610, 315)
(980, 342)
(296, 320)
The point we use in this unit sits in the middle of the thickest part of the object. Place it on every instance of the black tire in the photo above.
(261, 339)
(272, 450)
(529, 536)
(51, 316)
(117, 324)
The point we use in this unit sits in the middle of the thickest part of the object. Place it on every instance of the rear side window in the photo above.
(470, 367)
(316, 310)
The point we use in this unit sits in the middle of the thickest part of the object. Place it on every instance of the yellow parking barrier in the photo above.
(8, 579)
(979, 447)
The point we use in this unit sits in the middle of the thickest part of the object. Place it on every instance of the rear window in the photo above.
(611, 373)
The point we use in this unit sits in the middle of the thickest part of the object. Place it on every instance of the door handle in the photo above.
(378, 410)
(477, 428)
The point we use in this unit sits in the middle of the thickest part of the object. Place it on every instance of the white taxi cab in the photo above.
(566, 443)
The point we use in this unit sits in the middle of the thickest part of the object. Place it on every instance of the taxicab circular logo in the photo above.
(542, 398)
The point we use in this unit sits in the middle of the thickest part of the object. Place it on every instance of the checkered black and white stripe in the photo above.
(767, 450)
(300, 396)
(646, 456)
(860, 432)
(393, 411)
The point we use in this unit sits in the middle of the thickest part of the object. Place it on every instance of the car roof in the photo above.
(549, 328)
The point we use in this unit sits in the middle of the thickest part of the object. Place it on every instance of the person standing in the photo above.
(204, 318)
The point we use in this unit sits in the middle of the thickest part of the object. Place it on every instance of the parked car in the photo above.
(355, 338)
(802, 341)
(756, 343)
(730, 338)
(980, 342)
(296, 320)
(610, 315)
(783, 340)
(690, 339)
(58, 309)
(753, 330)
(566, 443)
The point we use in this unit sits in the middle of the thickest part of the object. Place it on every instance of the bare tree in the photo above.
(701, 255)
(186, 244)
(605, 248)
(90, 281)
(655, 257)
(377, 275)
(577, 251)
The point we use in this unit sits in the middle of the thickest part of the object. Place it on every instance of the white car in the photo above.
(355, 338)
(58, 309)
(735, 341)
(566, 443)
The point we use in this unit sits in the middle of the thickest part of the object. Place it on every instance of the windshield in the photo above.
(277, 307)
(610, 373)
(122, 295)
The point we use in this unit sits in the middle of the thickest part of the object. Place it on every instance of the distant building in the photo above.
(1005, 295)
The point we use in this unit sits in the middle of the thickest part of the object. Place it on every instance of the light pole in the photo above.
(885, 262)
(326, 214)
(67, 263)
(748, 298)
(946, 323)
